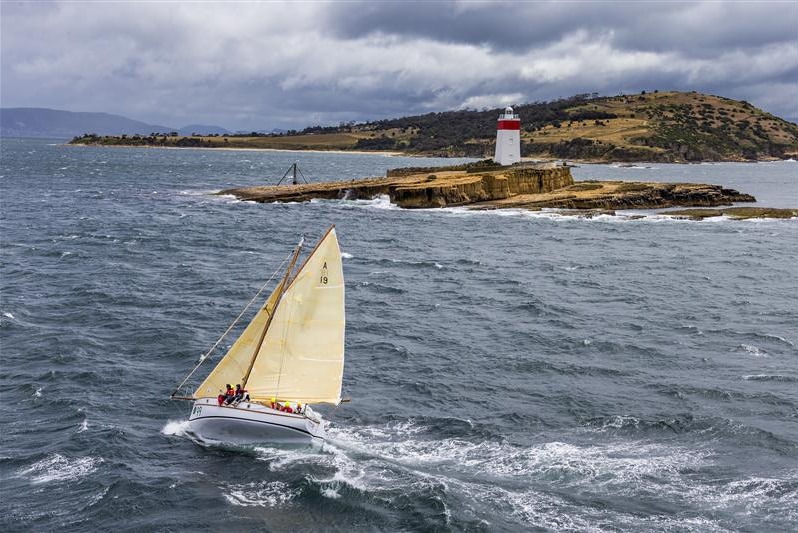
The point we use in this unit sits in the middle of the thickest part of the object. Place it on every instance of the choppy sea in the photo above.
(508, 371)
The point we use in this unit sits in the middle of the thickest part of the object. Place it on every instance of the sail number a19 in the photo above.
(324, 279)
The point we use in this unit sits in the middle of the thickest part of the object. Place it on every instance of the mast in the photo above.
(283, 287)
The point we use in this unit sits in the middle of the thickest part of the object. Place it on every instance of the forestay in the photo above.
(233, 366)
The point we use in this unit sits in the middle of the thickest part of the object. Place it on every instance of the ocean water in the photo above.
(508, 371)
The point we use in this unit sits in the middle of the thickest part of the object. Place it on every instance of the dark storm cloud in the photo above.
(503, 27)
(662, 26)
(262, 65)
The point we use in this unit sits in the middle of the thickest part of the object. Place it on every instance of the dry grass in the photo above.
(323, 141)
(618, 131)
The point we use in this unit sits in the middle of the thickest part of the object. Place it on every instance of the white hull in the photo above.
(251, 423)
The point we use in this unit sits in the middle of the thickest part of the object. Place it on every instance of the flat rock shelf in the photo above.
(518, 187)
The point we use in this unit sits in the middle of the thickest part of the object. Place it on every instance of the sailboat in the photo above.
(289, 357)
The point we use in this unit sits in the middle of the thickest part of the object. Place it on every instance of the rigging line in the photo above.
(282, 288)
(204, 356)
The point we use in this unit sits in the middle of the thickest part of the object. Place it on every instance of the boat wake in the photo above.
(525, 483)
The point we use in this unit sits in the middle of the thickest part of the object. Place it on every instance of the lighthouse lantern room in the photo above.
(508, 138)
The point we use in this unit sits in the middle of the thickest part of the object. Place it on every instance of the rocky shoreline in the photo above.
(616, 195)
(736, 213)
(524, 186)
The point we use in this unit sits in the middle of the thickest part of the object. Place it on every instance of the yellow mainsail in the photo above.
(302, 355)
(298, 335)
(233, 366)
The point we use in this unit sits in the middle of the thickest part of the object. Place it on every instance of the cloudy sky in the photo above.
(260, 65)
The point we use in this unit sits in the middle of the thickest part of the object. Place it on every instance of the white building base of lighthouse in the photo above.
(508, 138)
(508, 147)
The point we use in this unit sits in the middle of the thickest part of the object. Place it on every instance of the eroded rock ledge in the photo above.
(523, 186)
(737, 213)
(612, 195)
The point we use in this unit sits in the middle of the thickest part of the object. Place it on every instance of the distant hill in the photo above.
(201, 129)
(43, 122)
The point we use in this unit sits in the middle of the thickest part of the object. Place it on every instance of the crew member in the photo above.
(229, 394)
(239, 395)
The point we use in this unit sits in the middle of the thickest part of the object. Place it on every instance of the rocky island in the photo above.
(484, 185)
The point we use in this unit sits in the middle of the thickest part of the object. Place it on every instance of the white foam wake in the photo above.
(396, 459)
(176, 427)
(388, 461)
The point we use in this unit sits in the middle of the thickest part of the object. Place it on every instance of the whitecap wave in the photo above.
(330, 493)
(770, 377)
(56, 467)
(260, 494)
(756, 351)
(346, 255)
(782, 339)
(202, 193)
(774, 496)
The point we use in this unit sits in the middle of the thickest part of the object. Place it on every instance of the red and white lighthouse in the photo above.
(508, 138)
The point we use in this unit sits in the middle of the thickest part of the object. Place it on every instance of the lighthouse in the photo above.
(508, 138)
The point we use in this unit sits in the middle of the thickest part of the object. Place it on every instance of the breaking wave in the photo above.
(57, 468)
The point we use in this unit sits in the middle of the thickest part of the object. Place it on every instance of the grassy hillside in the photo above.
(668, 126)
(658, 126)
